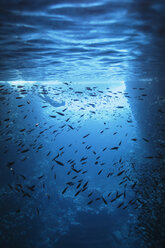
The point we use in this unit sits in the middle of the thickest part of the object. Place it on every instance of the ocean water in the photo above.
(82, 125)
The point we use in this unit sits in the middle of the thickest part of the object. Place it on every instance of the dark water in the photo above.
(82, 124)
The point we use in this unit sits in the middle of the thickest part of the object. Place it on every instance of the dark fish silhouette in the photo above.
(133, 186)
(10, 163)
(90, 202)
(121, 204)
(38, 212)
(83, 158)
(70, 183)
(40, 177)
(26, 150)
(64, 190)
(120, 173)
(78, 192)
(58, 162)
(70, 127)
(100, 172)
(21, 130)
(31, 187)
(114, 199)
(114, 148)
(86, 135)
(60, 113)
(85, 184)
(119, 107)
(90, 194)
(23, 176)
(145, 139)
(104, 200)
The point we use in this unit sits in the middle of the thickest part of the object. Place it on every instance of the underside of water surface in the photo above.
(82, 124)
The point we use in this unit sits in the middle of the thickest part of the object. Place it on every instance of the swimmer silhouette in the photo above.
(49, 100)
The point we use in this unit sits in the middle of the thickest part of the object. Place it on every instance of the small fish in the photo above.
(70, 183)
(78, 185)
(145, 139)
(90, 194)
(100, 172)
(70, 127)
(27, 194)
(64, 190)
(38, 212)
(11, 187)
(31, 187)
(133, 186)
(74, 177)
(119, 107)
(120, 173)
(85, 184)
(64, 110)
(21, 130)
(23, 176)
(60, 113)
(10, 163)
(78, 92)
(78, 192)
(84, 172)
(40, 177)
(110, 174)
(104, 200)
(90, 202)
(114, 148)
(121, 204)
(161, 111)
(52, 116)
(83, 158)
(86, 135)
(58, 162)
(134, 139)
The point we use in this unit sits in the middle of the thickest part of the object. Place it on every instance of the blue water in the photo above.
(80, 41)
(82, 130)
